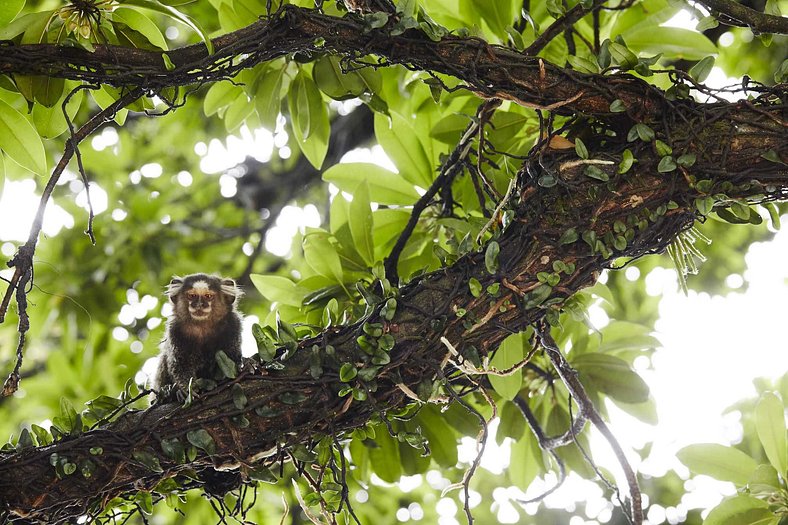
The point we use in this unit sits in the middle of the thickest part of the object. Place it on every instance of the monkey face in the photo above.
(202, 298)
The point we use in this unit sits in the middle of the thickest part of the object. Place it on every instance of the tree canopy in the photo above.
(463, 173)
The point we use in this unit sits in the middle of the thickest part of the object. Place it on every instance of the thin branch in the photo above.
(748, 17)
(587, 409)
(560, 25)
(23, 260)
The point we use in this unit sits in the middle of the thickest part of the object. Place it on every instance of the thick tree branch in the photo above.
(491, 71)
(748, 17)
(290, 406)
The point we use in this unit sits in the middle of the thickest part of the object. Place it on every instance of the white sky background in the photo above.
(713, 346)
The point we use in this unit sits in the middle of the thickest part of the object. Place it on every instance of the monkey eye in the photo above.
(191, 296)
(209, 296)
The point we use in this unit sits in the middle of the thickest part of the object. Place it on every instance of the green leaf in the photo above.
(9, 9)
(20, 141)
(582, 64)
(347, 372)
(147, 458)
(441, 437)
(309, 119)
(701, 70)
(617, 106)
(596, 173)
(173, 449)
(612, 376)
(622, 55)
(580, 149)
(741, 510)
(385, 457)
(399, 140)
(360, 222)
(50, 122)
(321, 256)
(774, 214)
(718, 461)
(627, 159)
(226, 365)
(385, 187)
(268, 98)
(498, 14)
(568, 237)
(201, 439)
(139, 22)
(510, 352)
(672, 42)
(239, 397)
(491, 257)
(173, 13)
(333, 82)
(475, 287)
(279, 289)
(642, 132)
(666, 164)
(770, 424)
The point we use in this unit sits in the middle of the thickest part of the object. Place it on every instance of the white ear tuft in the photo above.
(230, 289)
(174, 287)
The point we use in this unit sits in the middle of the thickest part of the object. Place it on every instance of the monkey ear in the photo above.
(231, 290)
(174, 287)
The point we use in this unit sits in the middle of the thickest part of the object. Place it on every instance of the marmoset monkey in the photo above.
(204, 320)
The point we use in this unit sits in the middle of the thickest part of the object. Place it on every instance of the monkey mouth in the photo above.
(200, 315)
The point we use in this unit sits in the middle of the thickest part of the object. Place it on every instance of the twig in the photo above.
(23, 260)
(451, 168)
(587, 409)
(560, 24)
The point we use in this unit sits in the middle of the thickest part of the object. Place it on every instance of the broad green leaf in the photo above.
(718, 461)
(498, 14)
(385, 187)
(611, 375)
(22, 24)
(321, 256)
(139, 22)
(701, 70)
(226, 365)
(201, 439)
(511, 351)
(173, 13)
(360, 221)
(672, 42)
(20, 141)
(770, 424)
(526, 461)
(386, 457)
(9, 9)
(309, 119)
(512, 423)
(268, 99)
(220, 95)
(404, 148)
(645, 411)
(741, 510)
(442, 438)
(50, 122)
(333, 82)
(279, 289)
